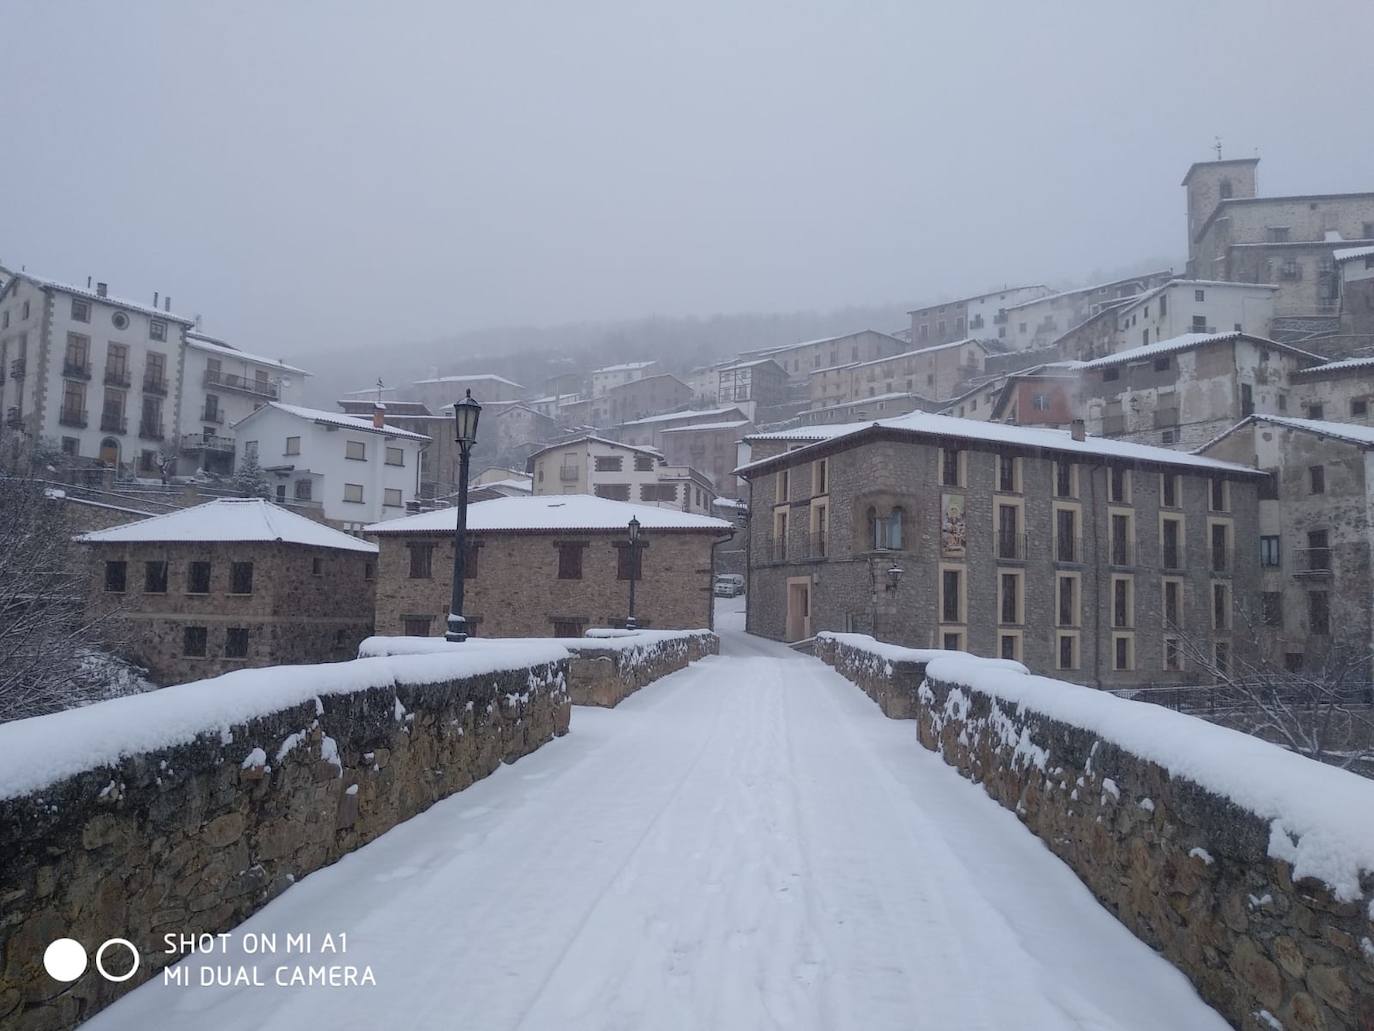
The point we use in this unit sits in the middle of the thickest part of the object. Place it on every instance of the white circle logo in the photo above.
(64, 959)
(100, 956)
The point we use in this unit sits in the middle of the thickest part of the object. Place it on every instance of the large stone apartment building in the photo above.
(1104, 561)
(228, 585)
(799, 360)
(934, 372)
(548, 565)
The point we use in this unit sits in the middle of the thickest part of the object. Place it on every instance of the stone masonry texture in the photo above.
(196, 837)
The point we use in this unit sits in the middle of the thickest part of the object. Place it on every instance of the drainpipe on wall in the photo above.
(1097, 587)
(748, 560)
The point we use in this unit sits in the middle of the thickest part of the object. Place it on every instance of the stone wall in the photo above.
(197, 836)
(608, 670)
(1187, 869)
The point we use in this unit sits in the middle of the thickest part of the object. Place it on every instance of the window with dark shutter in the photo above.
(570, 560)
(241, 578)
(198, 578)
(421, 562)
(155, 578)
(236, 642)
(116, 576)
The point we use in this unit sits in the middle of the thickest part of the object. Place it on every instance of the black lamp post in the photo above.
(630, 622)
(465, 415)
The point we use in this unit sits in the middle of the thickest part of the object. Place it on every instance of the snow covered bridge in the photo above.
(746, 844)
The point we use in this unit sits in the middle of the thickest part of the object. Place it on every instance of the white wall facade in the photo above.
(321, 457)
(1174, 311)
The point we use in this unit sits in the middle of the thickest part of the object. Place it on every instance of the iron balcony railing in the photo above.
(1013, 546)
(816, 545)
(1121, 552)
(114, 422)
(774, 550)
(1222, 559)
(212, 415)
(155, 385)
(17, 368)
(117, 377)
(68, 417)
(206, 442)
(1068, 549)
(76, 370)
(14, 418)
(1171, 556)
(149, 430)
(261, 387)
(1312, 561)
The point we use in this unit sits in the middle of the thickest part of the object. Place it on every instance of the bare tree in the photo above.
(47, 644)
(1322, 710)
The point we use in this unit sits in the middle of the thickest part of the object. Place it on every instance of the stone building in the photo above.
(760, 383)
(233, 583)
(1356, 268)
(1315, 536)
(935, 371)
(1193, 306)
(609, 376)
(1070, 553)
(550, 565)
(1044, 395)
(1185, 391)
(620, 472)
(880, 406)
(648, 432)
(712, 447)
(975, 316)
(1236, 235)
(799, 360)
(636, 398)
(1342, 391)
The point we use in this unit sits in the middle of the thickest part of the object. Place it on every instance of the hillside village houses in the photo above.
(799, 360)
(1356, 284)
(609, 376)
(638, 397)
(550, 565)
(360, 471)
(619, 472)
(231, 584)
(437, 391)
(931, 371)
(1183, 392)
(1090, 557)
(975, 316)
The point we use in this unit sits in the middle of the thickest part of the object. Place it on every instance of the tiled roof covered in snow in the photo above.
(542, 513)
(230, 519)
(347, 422)
(1187, 342)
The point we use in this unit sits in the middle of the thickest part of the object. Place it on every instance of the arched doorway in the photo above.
(109, 452)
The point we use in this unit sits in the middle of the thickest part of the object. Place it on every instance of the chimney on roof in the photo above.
(167, 303)
(154, 298)
(378, 415)
(88, 282)
(102, 289)
(1077, 429)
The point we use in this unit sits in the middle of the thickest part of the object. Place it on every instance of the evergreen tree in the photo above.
(249, 480)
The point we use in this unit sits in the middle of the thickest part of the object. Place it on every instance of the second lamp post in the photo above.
(465, 415)
(630, 622)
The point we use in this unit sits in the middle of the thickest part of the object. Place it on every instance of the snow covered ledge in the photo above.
(1250, 868)
(605, 667)
(186, 809)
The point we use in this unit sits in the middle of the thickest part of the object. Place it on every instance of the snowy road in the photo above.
(747, 844)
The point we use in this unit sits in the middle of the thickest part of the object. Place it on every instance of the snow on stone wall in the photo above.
(187, 809)
(1250, 868)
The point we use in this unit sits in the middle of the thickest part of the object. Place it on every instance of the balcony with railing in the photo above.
(114, 422)
(815, 546)
(774, 550)
(1013, 546)
(1312, 561)
(229, 381)
(1068, 549)
(76, 370)
(117, 376)
(1171, 557)
(155, 385)
(17, 368)
(193, 442)
(14, 418)
(150, 430)
(72, 417)
(1121, 552)
(1222, 560)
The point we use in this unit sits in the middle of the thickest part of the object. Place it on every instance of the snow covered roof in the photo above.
(1187, 342)
(926, 424)
(820, 340)
(115, 302)
(230, 519)
(1088, 289)
(475, 377)
(623, 367)
(347, 422)
(591, 438)
(979, 297)
(904, 354)
(1350, 253)
(203, 343)
(669, 416)
(1351, 433)
(1337, 366)
(707, 426)
(749, 364)
(541, 513)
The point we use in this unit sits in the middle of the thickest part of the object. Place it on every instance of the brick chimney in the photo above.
(1077, 429)
(101, 289)
(378, 415)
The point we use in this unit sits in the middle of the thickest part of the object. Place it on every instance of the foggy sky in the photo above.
(316, 175)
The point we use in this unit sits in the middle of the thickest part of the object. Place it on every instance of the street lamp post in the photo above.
(630, 622)
(465, 415)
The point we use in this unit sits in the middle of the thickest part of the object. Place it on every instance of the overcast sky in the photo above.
(306, 174)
